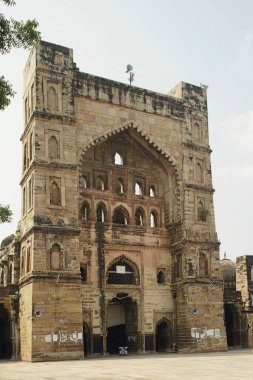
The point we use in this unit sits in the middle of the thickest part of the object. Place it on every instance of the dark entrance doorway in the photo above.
(122, 322)
(236, 326)
(116, 337)
(86, 340)
(5, 334)
(229, 322)
(163, 335)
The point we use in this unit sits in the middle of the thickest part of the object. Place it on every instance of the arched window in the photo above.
(153, 219)
(55, 257)
(120, 215)
(118, 159)
(101, 212)
(139, 217)
(122, 271)
(203, 265)
(119, 186)
(160, 277)
(53, 148)
(28, 260)
(138, 190)
(84, 182)
(152, 191)
(100, 183)
(55, 194)
(199, 173)
(85, 211)
(52, 103)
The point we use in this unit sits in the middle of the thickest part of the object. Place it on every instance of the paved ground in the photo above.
(216, 366)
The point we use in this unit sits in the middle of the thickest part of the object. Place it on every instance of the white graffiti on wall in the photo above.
(60, 336)
(198, 333)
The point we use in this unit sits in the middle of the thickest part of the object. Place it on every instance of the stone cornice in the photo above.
(191, 145)
(50, 165)
(70, 230)
(195, 186)
(121, 94)
(57, 276)
(46, 115)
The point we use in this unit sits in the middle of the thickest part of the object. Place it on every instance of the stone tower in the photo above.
(118, 240)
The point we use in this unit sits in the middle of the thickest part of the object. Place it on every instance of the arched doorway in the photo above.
(163, 335)
(86, 339)
(122, 324)
(5, 334)
(236, 326)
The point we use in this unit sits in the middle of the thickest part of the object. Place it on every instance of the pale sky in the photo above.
(166, 41)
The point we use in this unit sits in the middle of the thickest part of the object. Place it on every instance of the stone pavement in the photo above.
(214, 366)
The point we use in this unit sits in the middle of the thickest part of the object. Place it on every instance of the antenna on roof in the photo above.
(129, 69)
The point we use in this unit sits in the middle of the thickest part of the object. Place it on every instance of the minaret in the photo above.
(50, 305)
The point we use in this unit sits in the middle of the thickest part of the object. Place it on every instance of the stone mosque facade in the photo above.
(117, 243)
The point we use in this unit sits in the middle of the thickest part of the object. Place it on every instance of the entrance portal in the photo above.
(5, 334)
(163, 335)
(122, 324)
(86, 339)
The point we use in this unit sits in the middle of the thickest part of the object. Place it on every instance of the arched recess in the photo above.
(55, 194)
(119, 186)
(54, 151)
(120, 215)
(55, 257)
(203, 265)
(153, 219)
(85, 211)
(163, 335)
(52, 99)
(122, 271)
(199, 172)
(140, 217)
(156, 150)
(101, 212)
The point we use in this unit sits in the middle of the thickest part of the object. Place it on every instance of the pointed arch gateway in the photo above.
(138, 139)
(163, 335)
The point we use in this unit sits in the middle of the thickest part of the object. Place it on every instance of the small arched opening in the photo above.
(138, 188)
(85, 211)
(100, 183)
(101, 212)
(119, 186)
(152, 191)
(139, 217)
(118, 159)
(55, 257)
(153, 219)
(120, 216)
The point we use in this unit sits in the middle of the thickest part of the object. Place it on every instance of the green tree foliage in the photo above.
(14, 34)
(5, 214)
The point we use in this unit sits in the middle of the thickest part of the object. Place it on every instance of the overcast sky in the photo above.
(166, 41)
